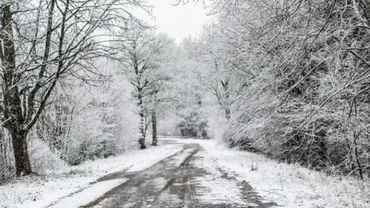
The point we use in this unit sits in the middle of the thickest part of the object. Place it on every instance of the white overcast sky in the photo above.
(179, 21)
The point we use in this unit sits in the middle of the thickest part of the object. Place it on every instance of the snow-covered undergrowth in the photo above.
(41, 191)
(289, 185)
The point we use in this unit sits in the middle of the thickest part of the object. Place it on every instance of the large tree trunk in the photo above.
(20, 147)
(141, 123)
(154, 129)
(11, 97)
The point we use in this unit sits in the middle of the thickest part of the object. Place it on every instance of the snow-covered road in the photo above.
(187, 179)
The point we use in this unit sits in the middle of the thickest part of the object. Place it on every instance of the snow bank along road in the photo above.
(186, 179)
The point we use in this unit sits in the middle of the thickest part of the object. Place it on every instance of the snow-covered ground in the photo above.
(216, 188)
(286, 184)
(42, 191)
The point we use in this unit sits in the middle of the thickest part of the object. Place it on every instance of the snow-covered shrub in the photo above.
(86, 122)
(43, 160)
(103, 123)
(88, 138)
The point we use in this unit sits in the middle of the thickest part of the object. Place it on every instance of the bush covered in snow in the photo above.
(43, 160)
(96, 123)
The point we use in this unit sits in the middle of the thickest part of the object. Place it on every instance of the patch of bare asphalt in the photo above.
(167, 184)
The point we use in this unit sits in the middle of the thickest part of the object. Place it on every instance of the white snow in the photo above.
(288, 185)
(41, 191)
(89, 194)
(214, 188)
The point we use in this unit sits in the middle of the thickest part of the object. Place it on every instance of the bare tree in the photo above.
(141, 59)
(60, 40)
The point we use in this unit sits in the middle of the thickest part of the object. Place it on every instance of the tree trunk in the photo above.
(226, 101)
(3, 158)
(141, 123)
(154, 129)
(357, 158)
(11, 96)
(22, 160)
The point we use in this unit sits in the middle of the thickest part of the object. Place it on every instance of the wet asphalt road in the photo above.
(171, 183)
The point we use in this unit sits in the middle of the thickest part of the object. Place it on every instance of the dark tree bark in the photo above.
(226, 99)
(357, 158)
(12, 101)
(20, 146)
(142, 119)
(154, 129)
